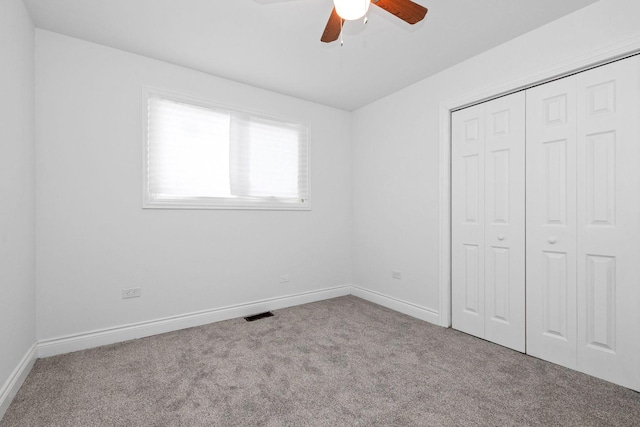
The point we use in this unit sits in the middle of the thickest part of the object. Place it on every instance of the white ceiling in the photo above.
(275, 44)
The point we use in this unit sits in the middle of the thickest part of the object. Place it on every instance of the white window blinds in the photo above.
(267, 158)
(206, 156)
(188, 150)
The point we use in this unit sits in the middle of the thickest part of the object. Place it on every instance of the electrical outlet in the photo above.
(130, 293)
(396, 275)
(284, 278)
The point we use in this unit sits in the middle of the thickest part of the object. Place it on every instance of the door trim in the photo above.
(543, 75)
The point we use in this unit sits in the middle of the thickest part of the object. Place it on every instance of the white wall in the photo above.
(395, 150)
(17, 265)
(93, 237)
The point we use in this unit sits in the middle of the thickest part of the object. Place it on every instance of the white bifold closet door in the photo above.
(488, 246)
(583, 222)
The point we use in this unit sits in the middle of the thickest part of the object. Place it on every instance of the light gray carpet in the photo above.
(337, 362)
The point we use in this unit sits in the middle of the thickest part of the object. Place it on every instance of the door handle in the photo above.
(500, 236)
(553, 239)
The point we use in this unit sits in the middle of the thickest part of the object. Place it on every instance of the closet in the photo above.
(546, 221)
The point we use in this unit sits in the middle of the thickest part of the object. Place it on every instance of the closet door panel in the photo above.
(608, 262)
(467, 220)
(551, 221)
(504, 221)
(488, 221)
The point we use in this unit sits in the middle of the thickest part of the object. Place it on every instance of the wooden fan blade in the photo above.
(333, 28)
(406, 10)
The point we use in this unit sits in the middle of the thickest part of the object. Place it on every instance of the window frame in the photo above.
(215, 203)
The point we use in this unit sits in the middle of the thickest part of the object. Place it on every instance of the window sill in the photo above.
(225, 204)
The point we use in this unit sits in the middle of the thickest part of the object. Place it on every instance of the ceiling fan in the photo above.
(406, 10)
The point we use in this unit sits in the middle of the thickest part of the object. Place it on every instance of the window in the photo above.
(199, 155)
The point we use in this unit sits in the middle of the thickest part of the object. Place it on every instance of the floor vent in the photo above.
(258, 316)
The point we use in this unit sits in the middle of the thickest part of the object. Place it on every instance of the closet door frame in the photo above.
(565, 68)
(584, 62)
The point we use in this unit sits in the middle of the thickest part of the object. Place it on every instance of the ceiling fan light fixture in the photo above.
(352, 9)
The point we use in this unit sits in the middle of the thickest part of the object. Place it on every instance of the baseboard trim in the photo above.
(17, 377)
(70, 343)
(413, 310)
